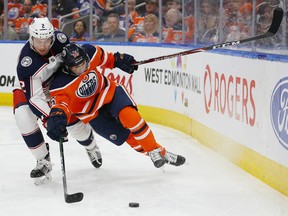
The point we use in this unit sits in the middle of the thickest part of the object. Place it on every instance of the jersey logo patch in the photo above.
(61, 37)
(88, 85)
(26, 61)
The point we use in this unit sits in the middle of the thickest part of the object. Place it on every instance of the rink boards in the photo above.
(235, 105)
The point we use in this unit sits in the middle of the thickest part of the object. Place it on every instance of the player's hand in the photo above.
(125, 62)
(56, 124)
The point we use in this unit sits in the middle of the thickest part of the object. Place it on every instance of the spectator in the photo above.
(151, 7)
(21, 26)
(105, 31)
(189, 8)
(172, 31)
(80, 32)
(55, 15)
(117, 34)
(173, 19)
(175, 4)
(238, 3)
(170, 4)
(246, 14)
(39, 9)
(15, 9)
(149, 32)
(11, 33)
(208, 20)
(64, 6)
(98, 5)
(263, 21)
(1, 7)
(189, 35)
(232, 21)
(133, 14)
(27, 10)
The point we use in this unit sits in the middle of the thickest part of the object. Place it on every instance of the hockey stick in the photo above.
(276, 21)
(69, 198)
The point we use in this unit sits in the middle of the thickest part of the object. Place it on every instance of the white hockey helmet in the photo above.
(41, 28)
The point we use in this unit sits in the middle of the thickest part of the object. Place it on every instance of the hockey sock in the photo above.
(140, 131)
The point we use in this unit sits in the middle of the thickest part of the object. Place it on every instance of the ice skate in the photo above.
(174, 159)
(95, 156)
(157, 157)
(42, 172)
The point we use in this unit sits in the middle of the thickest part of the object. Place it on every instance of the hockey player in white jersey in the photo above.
(39, 59)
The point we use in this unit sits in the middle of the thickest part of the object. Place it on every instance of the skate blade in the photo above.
(43, 179)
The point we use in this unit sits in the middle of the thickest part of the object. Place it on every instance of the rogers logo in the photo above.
(229, 95)
(279, 111)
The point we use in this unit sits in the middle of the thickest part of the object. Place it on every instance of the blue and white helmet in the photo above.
(41, 28)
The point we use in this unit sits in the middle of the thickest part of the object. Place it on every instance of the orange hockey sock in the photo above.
(134, 144)
(141, 132)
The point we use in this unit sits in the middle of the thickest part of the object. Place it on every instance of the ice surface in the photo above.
(209, 186)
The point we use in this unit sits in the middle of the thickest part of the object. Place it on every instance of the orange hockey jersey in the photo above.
(82, 96)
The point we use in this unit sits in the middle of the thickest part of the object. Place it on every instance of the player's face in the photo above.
(42, 46)
(79, 69)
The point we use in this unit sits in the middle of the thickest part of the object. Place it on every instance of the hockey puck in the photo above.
(133, 205)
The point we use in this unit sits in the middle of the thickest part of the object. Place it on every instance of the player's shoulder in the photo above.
(61, 38)
(91, 49)
(26, 57)
(26, 50)
(61, 80)
(88, 47)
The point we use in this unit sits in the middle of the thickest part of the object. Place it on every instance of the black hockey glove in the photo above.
(124, 62)
(56, 124)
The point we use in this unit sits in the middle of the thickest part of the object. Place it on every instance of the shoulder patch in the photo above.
(26, 61)
(61, 37)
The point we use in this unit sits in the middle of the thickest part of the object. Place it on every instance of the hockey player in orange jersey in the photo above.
(86, 94)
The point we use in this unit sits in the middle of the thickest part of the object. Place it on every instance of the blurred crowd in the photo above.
(154, 21)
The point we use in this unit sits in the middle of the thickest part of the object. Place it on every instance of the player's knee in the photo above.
(80, 131)
(25, 120)
(19, 98)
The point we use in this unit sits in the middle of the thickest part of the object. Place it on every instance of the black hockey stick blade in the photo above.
(69, 198)
(276, 22)
(72, 198)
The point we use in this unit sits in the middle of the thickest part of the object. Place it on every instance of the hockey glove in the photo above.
(125, 62)
(56, 124)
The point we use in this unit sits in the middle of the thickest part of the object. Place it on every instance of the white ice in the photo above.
(208, 186)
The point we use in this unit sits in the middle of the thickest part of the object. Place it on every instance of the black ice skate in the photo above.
(174, 159)
(42, 172)
(157, 157)
(95, 156)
